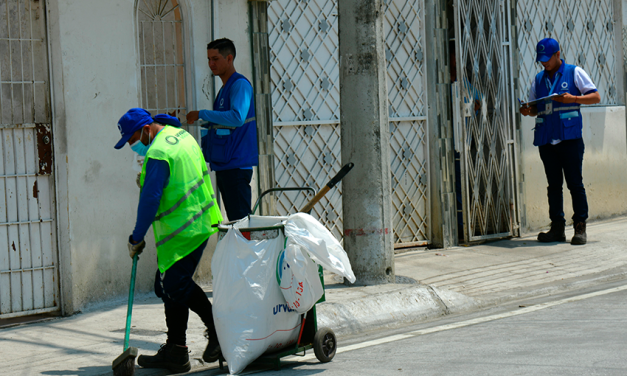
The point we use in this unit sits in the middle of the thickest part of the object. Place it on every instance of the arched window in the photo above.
(162, 57)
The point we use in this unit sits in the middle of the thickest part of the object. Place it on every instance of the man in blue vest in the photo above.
(230, 145)
(558, 135)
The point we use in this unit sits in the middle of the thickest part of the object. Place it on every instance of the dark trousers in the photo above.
(180, 293)
(235, 190)
(565, 161)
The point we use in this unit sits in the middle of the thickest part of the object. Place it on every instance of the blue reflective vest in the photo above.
(227, 149)
(555, 120)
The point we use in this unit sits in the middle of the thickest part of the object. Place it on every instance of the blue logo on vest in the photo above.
(564, 85)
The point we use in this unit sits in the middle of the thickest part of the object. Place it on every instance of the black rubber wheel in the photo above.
(324, 344)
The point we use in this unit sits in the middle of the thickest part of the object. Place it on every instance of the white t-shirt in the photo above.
(582, 82)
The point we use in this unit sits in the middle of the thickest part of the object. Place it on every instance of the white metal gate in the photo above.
(487, 140)
(306, 103)
(585, 32)
(409, 152)
(304, 60)
(28, 252)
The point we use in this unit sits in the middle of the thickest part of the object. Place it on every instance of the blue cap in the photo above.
(133, 120)
(546, 48)
(168, 119)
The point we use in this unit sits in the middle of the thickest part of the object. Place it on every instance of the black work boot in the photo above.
(580, 236)
(170, 356)
(212, 352)
(555, 234)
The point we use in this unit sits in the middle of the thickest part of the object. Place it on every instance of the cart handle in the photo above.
(280, 190)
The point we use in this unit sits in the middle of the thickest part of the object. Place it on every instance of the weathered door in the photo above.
(28, 254)
(486, 139)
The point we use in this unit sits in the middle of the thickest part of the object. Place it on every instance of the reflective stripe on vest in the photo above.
(189, 193)
(559, 109)
(185, 225)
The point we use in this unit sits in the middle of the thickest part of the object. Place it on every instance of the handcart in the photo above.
(321, 340)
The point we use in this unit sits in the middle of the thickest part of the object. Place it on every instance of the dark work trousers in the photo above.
(180, 293)
(564, 161)
(235, 190)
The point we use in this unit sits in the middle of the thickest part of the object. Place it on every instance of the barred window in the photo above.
(162, 57)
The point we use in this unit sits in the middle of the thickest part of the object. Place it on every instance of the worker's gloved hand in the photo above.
(135, 249)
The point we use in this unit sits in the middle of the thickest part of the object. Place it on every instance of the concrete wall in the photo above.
(95, 77)
(604, 169)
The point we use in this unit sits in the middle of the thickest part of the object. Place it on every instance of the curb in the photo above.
(389, 310)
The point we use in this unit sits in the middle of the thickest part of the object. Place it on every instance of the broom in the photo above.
(124, 365)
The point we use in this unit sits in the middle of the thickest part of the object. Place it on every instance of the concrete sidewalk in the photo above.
(431, 283)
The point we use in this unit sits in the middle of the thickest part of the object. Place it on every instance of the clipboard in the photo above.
(533, 102)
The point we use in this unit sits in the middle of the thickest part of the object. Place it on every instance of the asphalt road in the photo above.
(583, 334)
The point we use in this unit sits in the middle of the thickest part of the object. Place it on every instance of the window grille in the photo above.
(585, 32)
(162, 57)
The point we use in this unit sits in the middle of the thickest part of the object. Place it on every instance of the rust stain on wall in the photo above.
(44, 148)
(35, 190)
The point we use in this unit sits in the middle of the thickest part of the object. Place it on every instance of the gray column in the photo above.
(263, 102)
(366, 202)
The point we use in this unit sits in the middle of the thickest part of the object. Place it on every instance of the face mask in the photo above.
(139, 147)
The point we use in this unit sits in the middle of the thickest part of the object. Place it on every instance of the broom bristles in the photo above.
(125, 368)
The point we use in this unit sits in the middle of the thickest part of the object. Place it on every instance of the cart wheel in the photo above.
(324, 344)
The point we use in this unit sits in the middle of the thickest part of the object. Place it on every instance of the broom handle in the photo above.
(323, 191)
(131, 296)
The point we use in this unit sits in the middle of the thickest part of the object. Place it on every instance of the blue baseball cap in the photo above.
(168, 120)
(546, 48)
(133, 120)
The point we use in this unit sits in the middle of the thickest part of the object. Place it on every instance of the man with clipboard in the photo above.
(555, 97)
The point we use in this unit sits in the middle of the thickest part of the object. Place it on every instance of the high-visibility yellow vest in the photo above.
(188, 205)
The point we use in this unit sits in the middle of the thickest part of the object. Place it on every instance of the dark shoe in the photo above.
(212, 352)
(170, 356)
(555, 234)
(580, 236)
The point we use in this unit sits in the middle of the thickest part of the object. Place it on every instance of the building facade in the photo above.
(69, 69)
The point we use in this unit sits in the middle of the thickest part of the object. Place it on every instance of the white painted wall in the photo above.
(604, 168)
(95, 77)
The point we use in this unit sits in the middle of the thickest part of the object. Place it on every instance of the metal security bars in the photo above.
(486, 123)
(409, 152)
(162, 57)
(28, 253)
(585, 32)
(306, 101)
(305, 98)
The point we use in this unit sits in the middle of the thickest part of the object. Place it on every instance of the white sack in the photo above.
(322, 246)
(299, 278)
(249, 311)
